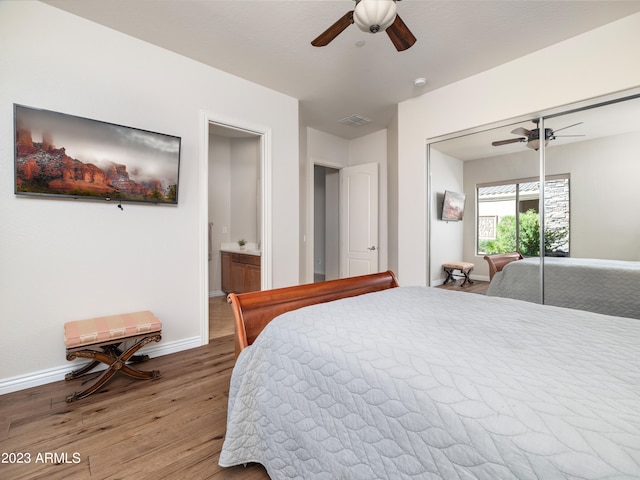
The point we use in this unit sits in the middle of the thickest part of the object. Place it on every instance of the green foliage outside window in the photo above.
(555, 239)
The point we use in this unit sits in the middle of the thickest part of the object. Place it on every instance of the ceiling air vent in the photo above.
(356, 121)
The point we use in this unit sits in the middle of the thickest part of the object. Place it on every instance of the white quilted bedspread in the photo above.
(423, 383)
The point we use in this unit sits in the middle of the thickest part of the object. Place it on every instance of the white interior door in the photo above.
(359, 220)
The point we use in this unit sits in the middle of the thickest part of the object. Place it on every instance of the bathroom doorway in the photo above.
(235, 216)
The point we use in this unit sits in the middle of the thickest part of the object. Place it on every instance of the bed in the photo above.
(611, 287)
(498, 261)
(427, 383)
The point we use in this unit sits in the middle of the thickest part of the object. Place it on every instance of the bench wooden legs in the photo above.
(451, 277)
(466, 278)
(116, 360)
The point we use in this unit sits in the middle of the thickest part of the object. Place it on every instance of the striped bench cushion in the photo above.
(105, 329)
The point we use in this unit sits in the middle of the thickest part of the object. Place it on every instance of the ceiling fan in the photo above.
(532, 137)
(371, 16)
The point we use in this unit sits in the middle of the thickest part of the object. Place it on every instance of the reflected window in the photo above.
(508, 217)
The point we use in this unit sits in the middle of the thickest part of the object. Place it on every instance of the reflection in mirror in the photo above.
(498, 170)
(590, 194)
(602, 271)
(604, 168)
(508, 217)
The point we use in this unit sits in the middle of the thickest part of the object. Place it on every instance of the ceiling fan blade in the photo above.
(568, 126)
(521, 131)
(554, 135)
(334, 30)
(506, 142)
(400, 35)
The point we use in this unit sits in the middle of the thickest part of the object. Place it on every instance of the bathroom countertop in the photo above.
(236, 249)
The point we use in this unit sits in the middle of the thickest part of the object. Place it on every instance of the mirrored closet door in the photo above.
(598, 269)
(564, 184)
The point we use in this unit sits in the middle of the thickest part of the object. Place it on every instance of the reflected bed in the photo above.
(611, 287)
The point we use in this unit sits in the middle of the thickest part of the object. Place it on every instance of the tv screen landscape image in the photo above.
(61, 155)
(453, 206)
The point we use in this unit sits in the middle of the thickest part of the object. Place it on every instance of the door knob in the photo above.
(371, 248)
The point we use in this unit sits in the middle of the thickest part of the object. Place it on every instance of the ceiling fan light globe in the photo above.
(535, 144)
(374, 16)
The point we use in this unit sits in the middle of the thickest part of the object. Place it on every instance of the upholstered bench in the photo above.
(464, 267)
(99, 339)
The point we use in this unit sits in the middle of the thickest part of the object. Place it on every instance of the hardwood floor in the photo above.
(170, 428)
(220, 317)
(478, 286)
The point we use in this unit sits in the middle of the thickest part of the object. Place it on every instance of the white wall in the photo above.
(392, 194)
(67, 260)
(604, 195)
(245, 177)
(219, 205)
(446, 237)
(305, 204)
(593, 64)
(326, 149)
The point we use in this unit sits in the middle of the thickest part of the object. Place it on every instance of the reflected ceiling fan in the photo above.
(371, 16)
(532, 137)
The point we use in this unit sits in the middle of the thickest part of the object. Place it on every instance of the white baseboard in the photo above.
(55, 374)
(217, 293)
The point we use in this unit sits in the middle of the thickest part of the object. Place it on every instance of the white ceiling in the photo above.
(268, 42)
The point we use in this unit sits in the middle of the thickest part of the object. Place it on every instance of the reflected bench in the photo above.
(465, 269)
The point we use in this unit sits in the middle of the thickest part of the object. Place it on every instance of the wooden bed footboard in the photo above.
(254, 310)
(498, 261)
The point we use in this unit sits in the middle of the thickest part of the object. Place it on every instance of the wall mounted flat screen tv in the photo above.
(453, 206)
(61, 155)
